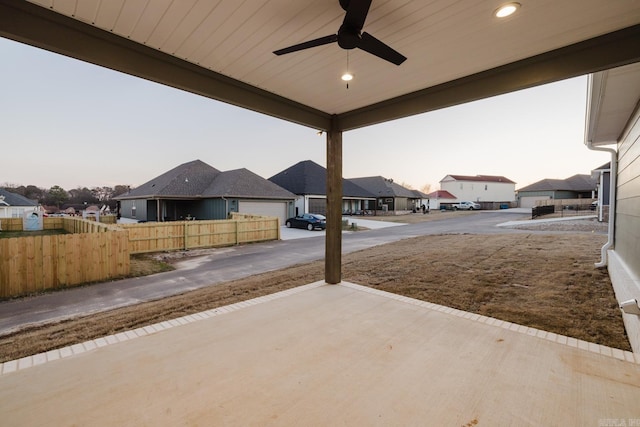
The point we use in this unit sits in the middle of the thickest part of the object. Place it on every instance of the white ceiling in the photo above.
(444, 40)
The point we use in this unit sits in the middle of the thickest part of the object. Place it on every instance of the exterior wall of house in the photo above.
(210, 208)
(528, 199)
(478, 191)
(15, 211)
(570, 195)
(624, 260)
(386, 203)
(434, 204)
(134, 209)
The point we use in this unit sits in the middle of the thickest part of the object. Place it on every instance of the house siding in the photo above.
(215, 209)
(480, 191)
(126, 209)
(628, 197)
(624, 265)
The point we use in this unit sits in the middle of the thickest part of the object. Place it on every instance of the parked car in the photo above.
(308, 221)
(466, 206)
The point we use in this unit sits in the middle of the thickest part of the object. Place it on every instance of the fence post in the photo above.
(237, 232)
(186, 234)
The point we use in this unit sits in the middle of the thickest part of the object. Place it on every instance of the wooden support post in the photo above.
(333, 241)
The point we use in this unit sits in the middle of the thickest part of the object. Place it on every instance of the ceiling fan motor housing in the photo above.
(348, 38)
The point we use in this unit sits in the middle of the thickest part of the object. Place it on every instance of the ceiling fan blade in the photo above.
(306, 45)
(356, 14)
(375, 47)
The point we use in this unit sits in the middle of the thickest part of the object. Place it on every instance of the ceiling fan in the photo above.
(350, 35)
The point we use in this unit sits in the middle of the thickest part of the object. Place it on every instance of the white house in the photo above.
(14, 205)
(440, 197)
(480, 188)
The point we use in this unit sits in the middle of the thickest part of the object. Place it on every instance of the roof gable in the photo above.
(308, 177)
(14, 199)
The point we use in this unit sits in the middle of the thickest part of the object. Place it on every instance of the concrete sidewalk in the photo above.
(322, 355)
(546, 220)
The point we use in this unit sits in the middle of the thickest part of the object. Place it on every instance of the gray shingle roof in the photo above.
(382, 187)
(244, 183)
(196, 179)
(578, 183)
(308, 177)
(441, 194)
(13, 199)
(187, 180)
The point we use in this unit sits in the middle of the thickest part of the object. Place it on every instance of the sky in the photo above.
(68, 123)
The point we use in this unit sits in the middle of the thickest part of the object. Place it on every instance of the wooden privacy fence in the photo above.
(56, 223)
(183, 235)
(93, 252)
(97, 252)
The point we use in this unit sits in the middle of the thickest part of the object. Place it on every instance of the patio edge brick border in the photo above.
(77, 349)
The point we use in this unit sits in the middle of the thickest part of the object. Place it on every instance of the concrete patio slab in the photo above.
(325, 355)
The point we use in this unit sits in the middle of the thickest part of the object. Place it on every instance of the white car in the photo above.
(471, 206)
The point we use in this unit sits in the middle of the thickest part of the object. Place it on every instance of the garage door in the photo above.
(318, 206)
(530, 201)
(277, 209)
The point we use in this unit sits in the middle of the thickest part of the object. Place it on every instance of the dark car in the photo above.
(308, 221)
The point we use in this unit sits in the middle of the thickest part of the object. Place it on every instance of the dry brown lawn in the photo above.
(546, 281)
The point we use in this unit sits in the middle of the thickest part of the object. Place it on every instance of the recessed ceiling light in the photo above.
(347, 77)
(506, 10)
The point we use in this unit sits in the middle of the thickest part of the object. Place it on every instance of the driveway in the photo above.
(225, 264)
(299, 233)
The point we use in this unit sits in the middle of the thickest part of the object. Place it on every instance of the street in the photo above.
(225, 264)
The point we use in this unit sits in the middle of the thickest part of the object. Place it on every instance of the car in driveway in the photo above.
(308, 221)
(468, 206)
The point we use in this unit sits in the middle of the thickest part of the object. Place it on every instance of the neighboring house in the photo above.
(440, 198)
(14, 205)
(613, 125)
(389, 196)
(196, 190)
(602, 175)
(308, 181)
(487, 190)
(575, 187)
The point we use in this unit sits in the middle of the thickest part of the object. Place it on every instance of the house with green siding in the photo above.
(196, 190)
(575, 187)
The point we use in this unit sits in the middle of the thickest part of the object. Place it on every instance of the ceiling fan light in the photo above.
(347, 77)
(506, 9)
